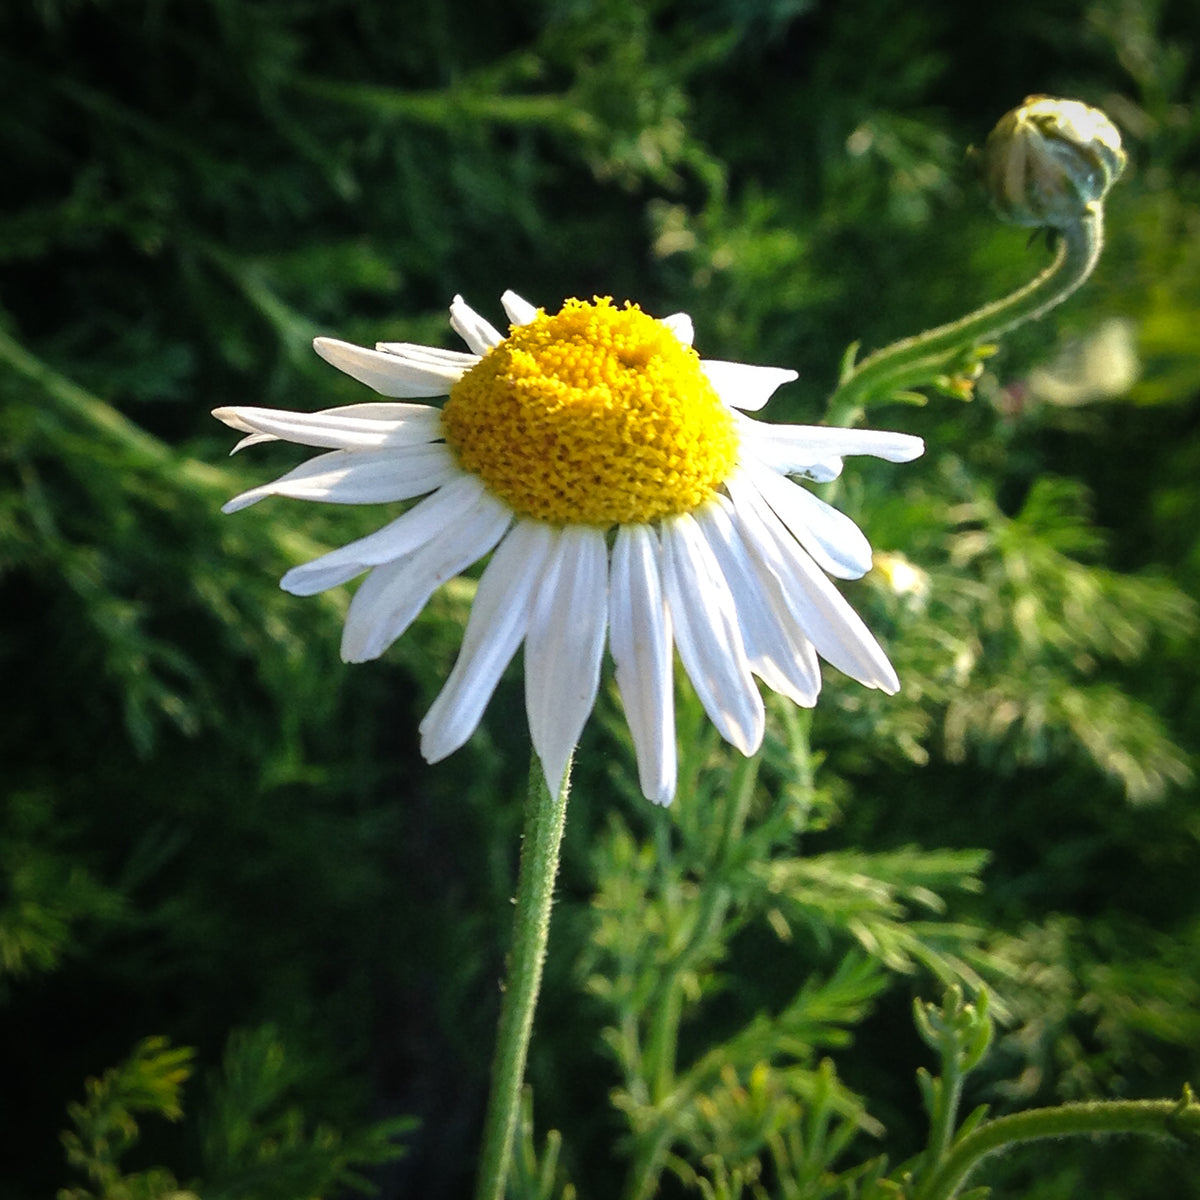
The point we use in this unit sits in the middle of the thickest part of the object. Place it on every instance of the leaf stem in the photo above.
(544, 821)
(1161, 1117)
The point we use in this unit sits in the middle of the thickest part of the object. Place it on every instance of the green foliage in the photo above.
(258, 1142)
(1022, 621)
(255, 1141)
(47, 892)
(533, 1176)
(679, 923)
(208, 824)
(106, 1126)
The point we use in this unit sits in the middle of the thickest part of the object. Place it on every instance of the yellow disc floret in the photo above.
(597, 415)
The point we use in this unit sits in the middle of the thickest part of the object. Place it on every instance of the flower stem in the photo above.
(914, 360)
(1161, 1117)
(544, 820)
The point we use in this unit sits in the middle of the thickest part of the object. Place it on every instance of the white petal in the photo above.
(247, 419)
(744, 386)
(707, 635)
(424, 521)
(479, 334)
(394, 594)
(680, 324)
(390, 374)
(825, 471)
(434, 356)
(518, 311)
(498, 621)
(254, 439)
(564, 646)
(780, 655)
(817, 607)
(804, 445)
(350, 427)
(832, 538)
(640, 640)
(782, 459)
(360, 477)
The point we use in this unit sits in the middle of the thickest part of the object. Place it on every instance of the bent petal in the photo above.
(360, 477)
(794, 448)
(428, 519)
(818, 608)
(782, 459)
(778, 652)
(564, 646)
(434, 356)
(350, 427)
(518, 310)
(390, 374)
(394, 594)
(707, 635)
(640, 640)
(831, 537)
(479, 334)
(743, 386)
(680, 324)
(499, 620)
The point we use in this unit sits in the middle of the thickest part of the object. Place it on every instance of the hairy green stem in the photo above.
(544, 820)
(914, 359)
(1161, 1117)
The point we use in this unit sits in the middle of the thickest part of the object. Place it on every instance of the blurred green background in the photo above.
(215, 833)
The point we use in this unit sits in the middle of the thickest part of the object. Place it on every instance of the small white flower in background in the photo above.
(623, 495)
(1101, 364)
(904, 579)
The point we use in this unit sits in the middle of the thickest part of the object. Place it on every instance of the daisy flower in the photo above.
(623, 495)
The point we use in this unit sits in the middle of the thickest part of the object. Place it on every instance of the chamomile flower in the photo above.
(625, 498)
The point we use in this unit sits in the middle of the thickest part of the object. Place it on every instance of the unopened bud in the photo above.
(1049, 161)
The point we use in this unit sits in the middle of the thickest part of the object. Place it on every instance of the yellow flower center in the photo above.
(596, 415)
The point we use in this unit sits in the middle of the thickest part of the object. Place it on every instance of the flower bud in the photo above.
(1048, 161)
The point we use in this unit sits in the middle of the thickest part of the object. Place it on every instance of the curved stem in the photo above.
(1160, 1117)
(914, 359)
(544, 820)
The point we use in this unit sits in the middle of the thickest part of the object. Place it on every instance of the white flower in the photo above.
(624, 496)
